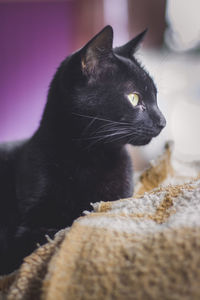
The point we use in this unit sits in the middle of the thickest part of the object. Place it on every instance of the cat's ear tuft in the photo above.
(97, 50)
(131, 47)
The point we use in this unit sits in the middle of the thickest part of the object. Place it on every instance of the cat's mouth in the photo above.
(145, 139)
(141, 142)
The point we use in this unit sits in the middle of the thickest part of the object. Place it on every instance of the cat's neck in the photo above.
(62, 142)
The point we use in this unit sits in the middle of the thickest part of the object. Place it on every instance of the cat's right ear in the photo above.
(95, 53)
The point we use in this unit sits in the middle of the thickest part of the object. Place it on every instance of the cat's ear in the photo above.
(131, 47)
(97, 50)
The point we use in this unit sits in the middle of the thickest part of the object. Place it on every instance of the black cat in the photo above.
(99, 100)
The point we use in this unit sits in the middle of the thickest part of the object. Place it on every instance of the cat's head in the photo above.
(112, 98)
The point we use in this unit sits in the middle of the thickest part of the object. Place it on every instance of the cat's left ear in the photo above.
(131, 47)
(97, 51)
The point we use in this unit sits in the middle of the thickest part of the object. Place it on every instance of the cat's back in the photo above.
(8, 159)
(8, 154)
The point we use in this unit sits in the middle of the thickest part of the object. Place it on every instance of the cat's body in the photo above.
(78, 155)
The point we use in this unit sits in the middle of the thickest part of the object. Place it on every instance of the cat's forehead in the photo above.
(134, 74)
(131, 67)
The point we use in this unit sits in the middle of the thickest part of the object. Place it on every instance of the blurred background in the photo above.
(35, 35)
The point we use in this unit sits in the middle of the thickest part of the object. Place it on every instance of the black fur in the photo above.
(77, 156)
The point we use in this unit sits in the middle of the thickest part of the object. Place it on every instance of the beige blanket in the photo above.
(146, 247)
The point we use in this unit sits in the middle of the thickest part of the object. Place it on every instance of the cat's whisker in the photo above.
(111, 127)
(111, 139)
(98, 139)
(101, 127)
(105, 126)
(97, 118)
(88, 126)
(106, 135)
(124, 136)
(100, 136)
(114, 129)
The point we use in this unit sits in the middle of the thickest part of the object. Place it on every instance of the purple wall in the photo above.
(34, 38)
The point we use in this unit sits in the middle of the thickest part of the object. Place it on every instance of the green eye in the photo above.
(134, 98)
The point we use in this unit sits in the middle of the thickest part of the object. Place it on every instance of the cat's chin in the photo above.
(141, 142)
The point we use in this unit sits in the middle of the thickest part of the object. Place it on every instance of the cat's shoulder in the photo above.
(8, 150)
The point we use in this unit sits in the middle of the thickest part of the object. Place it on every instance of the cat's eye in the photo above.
(134, 98)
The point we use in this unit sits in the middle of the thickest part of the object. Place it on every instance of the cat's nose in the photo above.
(162, 123)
